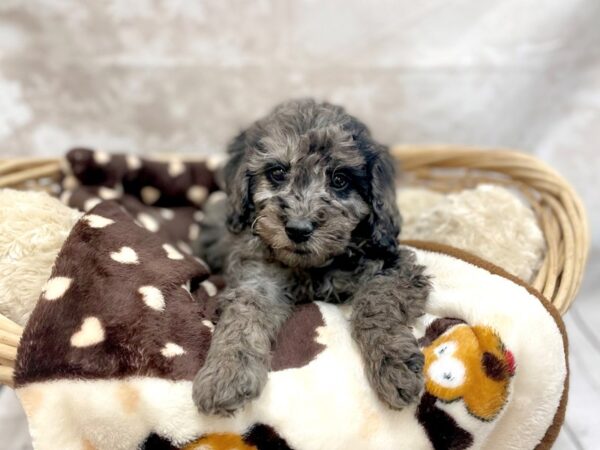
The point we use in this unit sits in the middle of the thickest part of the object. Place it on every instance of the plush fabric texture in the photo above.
(126, 313)
(157, 183)
(489, 221)
(107, 358)
(165, 197)
(33, 228)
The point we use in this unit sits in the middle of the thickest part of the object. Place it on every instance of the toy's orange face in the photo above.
(257, 436)
(220, 441)
(469, 363)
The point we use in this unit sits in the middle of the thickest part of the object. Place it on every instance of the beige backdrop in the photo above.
(185, 75)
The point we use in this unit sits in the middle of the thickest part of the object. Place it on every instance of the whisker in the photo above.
(254, 222)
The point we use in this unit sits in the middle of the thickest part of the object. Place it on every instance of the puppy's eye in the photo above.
(339, 181)
(276, 174)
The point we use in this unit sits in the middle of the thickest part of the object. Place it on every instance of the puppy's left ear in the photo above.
(386, 220)
(238, 186)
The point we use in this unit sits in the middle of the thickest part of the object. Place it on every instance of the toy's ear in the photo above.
(385, 220)
(238, 182)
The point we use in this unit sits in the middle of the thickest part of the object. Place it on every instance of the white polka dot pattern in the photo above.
(172, 252)
(102, 158)
(133, 162)
(197, 194)
(194, 232)
(202, 263)
(208, 324)
(90, 333)
(126, 255)
(167, 214)
(108, 193)
(56, 287)
(150, 195)
(70, 182)
(171, 350)
(215, 162)
(91, 203)
(119, 284)
(153, 297)
(148, 222)
(175, 168)
(186, 289)
(96, 221)
(216, 197)
(184, 247)
(209, 287)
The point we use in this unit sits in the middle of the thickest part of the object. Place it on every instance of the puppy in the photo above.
(312, 216)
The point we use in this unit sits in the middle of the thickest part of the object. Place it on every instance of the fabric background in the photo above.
(184, 76)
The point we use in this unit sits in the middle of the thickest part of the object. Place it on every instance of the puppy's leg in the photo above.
(383, 310)
(238, 360)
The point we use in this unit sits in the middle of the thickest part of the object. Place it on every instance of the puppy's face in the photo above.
(309, 195)
(309, 180)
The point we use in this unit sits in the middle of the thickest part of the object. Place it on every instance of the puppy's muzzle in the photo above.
(299, 230)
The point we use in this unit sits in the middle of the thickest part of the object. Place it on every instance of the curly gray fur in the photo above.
(312, 216)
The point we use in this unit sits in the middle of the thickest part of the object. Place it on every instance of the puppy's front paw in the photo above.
(396, 374)
(226, 383)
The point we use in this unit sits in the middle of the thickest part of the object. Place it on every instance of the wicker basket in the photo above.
(443, 168)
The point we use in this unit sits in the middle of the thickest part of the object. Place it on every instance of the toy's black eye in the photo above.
(276, 174)
(339, 180)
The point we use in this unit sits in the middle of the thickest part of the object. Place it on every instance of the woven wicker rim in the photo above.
(557, 206)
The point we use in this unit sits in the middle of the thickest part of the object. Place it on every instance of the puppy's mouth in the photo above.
(297, 249)
(309, 252)
(300, 251)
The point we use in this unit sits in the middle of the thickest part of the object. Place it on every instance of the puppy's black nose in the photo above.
(299, 230)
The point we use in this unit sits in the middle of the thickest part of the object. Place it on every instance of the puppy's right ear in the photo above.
(238, 186)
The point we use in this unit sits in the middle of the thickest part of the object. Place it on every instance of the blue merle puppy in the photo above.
(312, 216)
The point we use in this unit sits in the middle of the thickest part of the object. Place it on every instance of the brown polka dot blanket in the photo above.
(123, 324)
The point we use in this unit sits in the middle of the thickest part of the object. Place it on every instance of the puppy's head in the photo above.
(309, 180)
